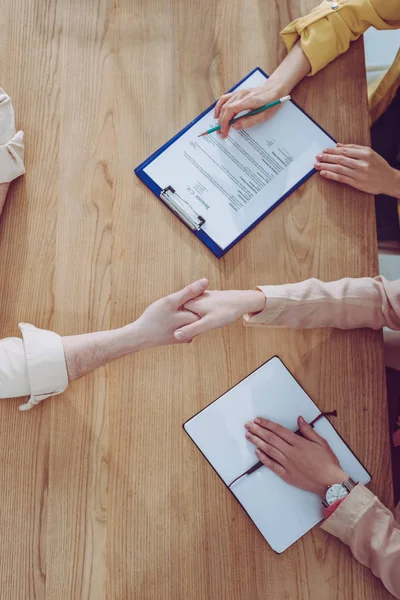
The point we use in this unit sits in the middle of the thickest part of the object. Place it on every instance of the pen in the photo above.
(256, 111)
(333, 413)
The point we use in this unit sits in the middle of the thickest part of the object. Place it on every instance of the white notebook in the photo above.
(280, 511)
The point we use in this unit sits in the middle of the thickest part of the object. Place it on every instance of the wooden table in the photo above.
(102, 494)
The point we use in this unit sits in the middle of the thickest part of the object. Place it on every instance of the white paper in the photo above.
(231, 183)
(281, 512)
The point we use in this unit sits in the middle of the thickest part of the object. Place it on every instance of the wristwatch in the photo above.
(338, 491)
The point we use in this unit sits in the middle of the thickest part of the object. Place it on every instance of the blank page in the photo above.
(281, 512)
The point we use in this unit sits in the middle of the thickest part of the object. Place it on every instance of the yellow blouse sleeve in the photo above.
(327, 31)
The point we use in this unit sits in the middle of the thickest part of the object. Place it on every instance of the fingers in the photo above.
(289, 436)
(187, 317)
(339, 178)
(268, 449)
(226, 115)
(220, 103)
(195, 305)
(333, 168)
(308, 432)
(365, 148)
(256, 431)
(339, 159)
(189, 292)
(270, 464)
(230, 109)
(190, 331)
(350, 150)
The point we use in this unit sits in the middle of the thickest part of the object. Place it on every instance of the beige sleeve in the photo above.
(372, 533)
(345, 304)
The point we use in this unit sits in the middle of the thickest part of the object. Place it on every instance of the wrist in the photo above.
(132, 338)
(255, 302)
(393, 184)
(331, 477)
(279, 84)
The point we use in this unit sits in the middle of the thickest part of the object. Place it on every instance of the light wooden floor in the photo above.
(92, 501)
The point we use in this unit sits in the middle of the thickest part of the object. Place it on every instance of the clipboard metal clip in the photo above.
(182, 209)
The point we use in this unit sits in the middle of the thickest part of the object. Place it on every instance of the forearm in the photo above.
(345, 304)
(291, 70)
(369, 528)
(87, 352)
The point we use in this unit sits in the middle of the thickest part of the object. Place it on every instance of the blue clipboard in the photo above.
(162, 194)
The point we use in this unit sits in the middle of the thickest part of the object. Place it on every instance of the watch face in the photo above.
(335, 492)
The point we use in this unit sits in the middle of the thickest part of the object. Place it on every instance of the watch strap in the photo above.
(349, 484)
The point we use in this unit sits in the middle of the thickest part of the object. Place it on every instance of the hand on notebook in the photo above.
(305, 461)
(359, 167)
(219, 308)
(156, 326)
(229, 105)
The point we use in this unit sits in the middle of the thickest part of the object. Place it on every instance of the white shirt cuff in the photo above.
(45, 360)
(35, 366)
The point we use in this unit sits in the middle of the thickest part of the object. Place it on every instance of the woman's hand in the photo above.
(305, 462)
(290, 72)
(217, 309)
(360, 167)
(229, 105)
(158, 323)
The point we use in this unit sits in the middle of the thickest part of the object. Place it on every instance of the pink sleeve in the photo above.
(346, 304)
(373, 534)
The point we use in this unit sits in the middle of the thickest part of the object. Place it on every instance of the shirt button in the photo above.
(335, 5)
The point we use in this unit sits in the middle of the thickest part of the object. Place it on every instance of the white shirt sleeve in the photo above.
(11, 142)
(34, 366)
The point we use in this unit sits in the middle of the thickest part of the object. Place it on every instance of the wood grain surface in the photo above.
(102, 494)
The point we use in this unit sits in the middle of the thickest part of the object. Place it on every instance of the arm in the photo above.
(155, 327)
(312, 41)
(370, 529)
(346, 304)
(360, 521)
(43, 363)
(328, 30)
(282, 81)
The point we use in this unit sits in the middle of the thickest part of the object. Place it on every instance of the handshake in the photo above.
(180, 317)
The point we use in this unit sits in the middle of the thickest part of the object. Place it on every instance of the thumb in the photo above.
(309, 433)
(190, 331)
(189, 292)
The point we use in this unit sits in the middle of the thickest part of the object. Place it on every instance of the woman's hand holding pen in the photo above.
(281, 83)
(305, 461)
(361, 168)
(230, 105)
(219, 308)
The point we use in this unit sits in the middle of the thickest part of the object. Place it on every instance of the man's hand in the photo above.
(360, 167)
(157, 325)
(217, 309)
(305, 462)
